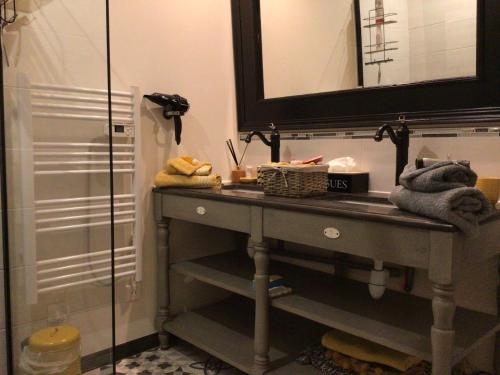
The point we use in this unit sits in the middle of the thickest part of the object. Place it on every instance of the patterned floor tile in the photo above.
(174, 361)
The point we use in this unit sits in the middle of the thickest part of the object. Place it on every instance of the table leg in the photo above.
(261, 339)
(163, 288)
(442, 332)
(497, 341)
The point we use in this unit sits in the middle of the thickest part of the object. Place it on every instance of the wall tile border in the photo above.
(493, 131)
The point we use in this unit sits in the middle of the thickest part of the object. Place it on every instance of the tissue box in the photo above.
(348, 182)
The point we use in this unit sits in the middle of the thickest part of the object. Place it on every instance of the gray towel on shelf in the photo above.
(464, 207)
(441, 176)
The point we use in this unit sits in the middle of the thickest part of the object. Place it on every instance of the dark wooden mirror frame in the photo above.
(458, 101)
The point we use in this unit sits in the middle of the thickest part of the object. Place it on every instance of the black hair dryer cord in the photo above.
(178, 129)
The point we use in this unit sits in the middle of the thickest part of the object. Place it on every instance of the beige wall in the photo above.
(185, 47)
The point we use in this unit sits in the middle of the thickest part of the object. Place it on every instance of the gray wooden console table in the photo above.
(262, 341)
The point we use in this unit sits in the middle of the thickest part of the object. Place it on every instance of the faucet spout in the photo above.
(274, 143)
(262, 137)
(386, 128)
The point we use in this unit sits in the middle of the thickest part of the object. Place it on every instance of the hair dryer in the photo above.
(173, 106)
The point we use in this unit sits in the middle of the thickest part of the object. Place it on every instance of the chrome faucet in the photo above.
(274, 143)
(401, 138)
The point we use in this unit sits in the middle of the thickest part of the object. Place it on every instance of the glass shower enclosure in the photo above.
(68, 184)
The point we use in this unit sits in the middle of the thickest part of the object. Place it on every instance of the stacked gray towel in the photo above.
(443, 191)
(441, 176)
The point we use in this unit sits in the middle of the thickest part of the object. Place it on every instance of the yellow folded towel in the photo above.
(204, 170)
(163, 179)
(367, 351)
(187, 166)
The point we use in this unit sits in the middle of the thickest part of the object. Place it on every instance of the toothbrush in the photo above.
(230, 146)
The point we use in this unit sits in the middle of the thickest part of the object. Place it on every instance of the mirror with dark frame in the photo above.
(312, 64)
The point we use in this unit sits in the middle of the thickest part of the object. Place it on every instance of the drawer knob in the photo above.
(201, 210)
(331, 232)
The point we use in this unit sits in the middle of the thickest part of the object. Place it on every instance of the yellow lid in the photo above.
(54, 339)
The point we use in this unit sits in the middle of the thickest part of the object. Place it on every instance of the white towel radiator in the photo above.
(49, 159)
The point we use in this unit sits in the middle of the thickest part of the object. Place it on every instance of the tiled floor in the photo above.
(174, 361)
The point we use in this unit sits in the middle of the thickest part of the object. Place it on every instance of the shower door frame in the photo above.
(5, 229)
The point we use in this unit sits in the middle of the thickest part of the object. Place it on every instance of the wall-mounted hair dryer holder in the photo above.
(173, 106)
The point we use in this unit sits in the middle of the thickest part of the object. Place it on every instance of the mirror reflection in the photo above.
(315, 46)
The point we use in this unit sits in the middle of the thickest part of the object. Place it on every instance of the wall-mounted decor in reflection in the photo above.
(379, 46)
(417, 40)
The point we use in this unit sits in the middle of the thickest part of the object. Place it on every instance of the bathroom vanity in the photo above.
(258, 334)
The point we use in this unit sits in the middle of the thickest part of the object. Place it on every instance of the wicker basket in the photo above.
(294, 181)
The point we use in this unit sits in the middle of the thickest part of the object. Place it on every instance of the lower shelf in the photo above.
(399, 321)
(225, 330)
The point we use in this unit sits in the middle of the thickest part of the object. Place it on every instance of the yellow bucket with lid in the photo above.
(53, 351)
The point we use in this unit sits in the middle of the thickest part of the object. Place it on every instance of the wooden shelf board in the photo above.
(399, 321)
(225, 330)
(233, 273)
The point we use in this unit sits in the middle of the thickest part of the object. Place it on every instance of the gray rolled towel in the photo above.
(441, 176)
(464, 207)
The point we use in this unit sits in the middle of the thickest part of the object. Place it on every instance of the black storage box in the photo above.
(348, 182)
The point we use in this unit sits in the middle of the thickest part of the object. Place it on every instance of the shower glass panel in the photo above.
(59, 190)
(4, 273)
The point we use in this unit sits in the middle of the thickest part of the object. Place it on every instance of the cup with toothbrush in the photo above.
(237, 173)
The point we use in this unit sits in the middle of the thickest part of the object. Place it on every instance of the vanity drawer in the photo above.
(357, 237)
(209, 212)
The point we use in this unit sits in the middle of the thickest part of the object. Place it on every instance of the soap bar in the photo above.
(348, 182)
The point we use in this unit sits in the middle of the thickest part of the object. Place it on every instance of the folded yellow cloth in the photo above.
(187, 166)
(204, 170)
(163, 179)
(367, 351)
